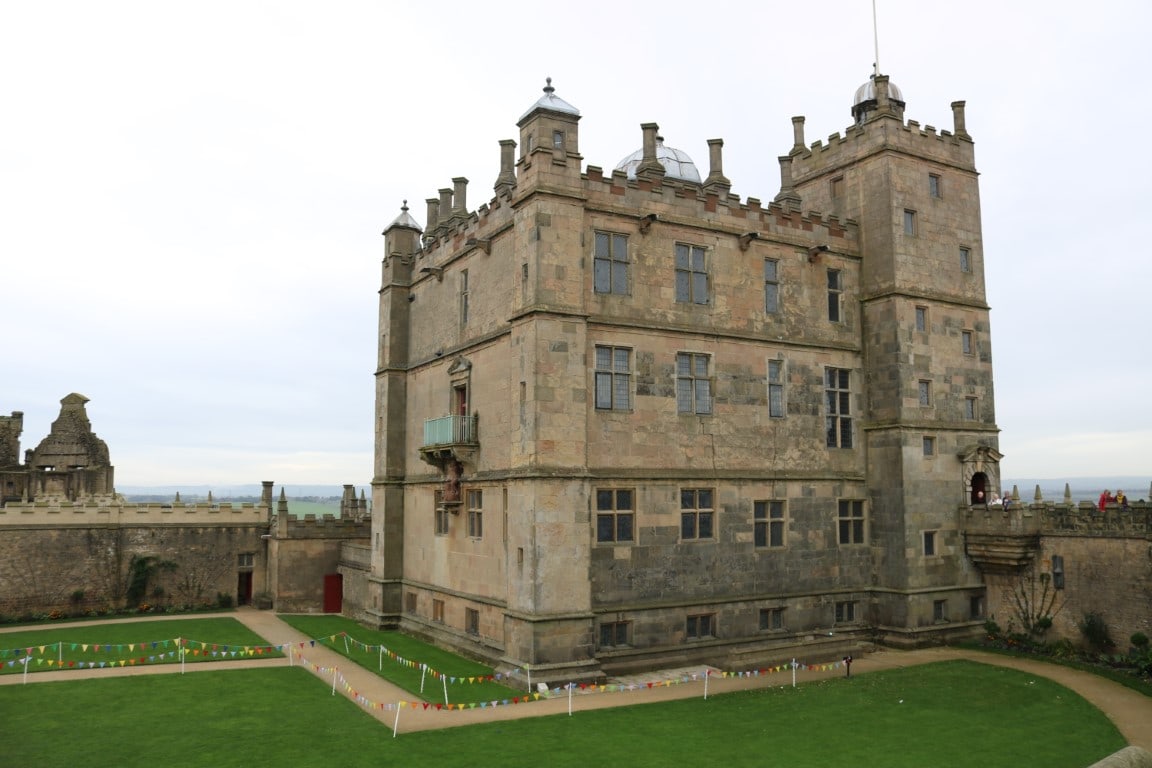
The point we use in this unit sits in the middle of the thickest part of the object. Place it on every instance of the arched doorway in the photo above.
(978, 492)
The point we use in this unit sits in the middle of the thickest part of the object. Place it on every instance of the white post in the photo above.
(380, 659)
(445, 679)
(794, 665)
(423, 672)
(345, 643)
(396, 722)
(60, 656)
(570, 687)
(528, 668)
(334, 669)
(26, 660)
(707, 674)
(182, 655)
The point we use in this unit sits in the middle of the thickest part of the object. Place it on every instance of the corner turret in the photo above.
(548, 131)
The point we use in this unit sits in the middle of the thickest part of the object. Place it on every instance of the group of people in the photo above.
(1107, 498)
(994, 499)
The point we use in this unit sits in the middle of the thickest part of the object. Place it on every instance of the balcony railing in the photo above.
(450, 430)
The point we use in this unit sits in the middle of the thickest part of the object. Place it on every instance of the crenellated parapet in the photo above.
(322, 526)
(675, 201)
(1004, 538)
(1051, 518)
(672, 200)
(882, 135)
(111, 511)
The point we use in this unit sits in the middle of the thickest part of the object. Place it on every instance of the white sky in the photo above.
(192, 195)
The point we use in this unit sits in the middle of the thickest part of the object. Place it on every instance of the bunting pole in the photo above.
(707, 674)
(396, 722)
(183, 654)
(794, 665)
(26, 660)
(528, 667)
(345, 643)
(334, 680)
(445, 679)
(380, 660)
(60, 655)
(570, 687)
(423, 671)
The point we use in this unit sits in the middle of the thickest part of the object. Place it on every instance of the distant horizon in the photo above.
(1086, 482)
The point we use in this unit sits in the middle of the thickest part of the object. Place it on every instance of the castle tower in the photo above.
(930, 429)
(401, 248)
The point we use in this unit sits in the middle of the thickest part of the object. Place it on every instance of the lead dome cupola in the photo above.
(865, 102)
(551, 101)
(677, 164)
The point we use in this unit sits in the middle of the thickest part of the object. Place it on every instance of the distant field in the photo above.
(298, 508)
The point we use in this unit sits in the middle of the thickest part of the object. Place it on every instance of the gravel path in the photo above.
(1128, 709)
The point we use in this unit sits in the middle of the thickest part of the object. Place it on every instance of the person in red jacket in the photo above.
(1106, 498)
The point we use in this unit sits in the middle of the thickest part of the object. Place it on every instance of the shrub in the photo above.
(223, 600)
(1095, 631)
(1139, 640)
(991, 628)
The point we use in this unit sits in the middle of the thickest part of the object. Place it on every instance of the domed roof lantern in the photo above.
(877, 95)
(403, 220)
(551, 101)
(677, 164)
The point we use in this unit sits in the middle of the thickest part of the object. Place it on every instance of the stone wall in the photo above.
(303, 552)
(1107, 564)
(86, 567)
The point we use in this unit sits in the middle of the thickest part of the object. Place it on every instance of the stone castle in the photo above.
(628, 418)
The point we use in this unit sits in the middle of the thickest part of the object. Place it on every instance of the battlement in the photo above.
(883, 133)
(322, 526)
(1068, 518)
(109, 511)
(681, 200)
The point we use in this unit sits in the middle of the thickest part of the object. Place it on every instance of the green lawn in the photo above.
(466, 681)
(957, 714)
(129, 644)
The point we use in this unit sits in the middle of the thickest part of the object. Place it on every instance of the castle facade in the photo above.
(628, 418)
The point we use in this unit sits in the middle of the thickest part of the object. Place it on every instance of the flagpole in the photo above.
(396, 722)
(570, 687)
(707, 674)
(380, 659)
(794, 665)
(60, 656)
(423, 671)
(445, 679)
(334, 680)
(26, 660)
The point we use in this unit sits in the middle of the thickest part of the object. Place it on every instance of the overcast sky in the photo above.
(192, 194)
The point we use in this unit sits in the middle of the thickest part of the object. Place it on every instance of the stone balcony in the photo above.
(449, 439)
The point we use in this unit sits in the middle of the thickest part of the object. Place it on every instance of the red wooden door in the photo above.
(333, 592)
